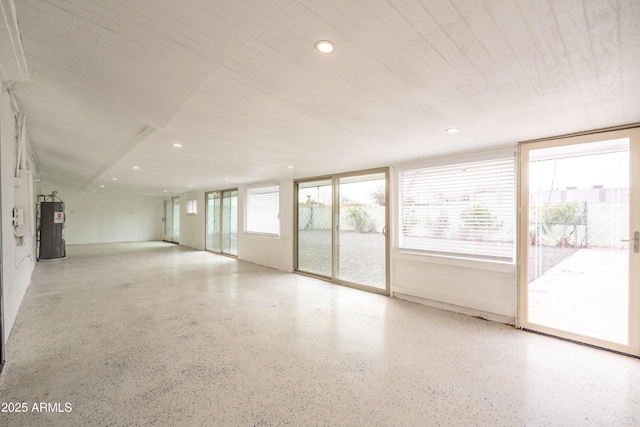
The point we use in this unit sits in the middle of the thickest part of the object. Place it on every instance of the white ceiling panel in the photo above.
(238, 83)
(73, 133)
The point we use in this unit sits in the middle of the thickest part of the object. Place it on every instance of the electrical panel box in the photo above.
(24, 203)
(18, 217)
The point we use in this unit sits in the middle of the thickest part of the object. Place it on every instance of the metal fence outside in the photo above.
(601, 224)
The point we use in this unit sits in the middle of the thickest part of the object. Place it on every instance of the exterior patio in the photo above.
(586, 293)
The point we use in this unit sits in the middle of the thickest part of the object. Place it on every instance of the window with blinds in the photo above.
(192, 206)
(462, 209)
(263, 210)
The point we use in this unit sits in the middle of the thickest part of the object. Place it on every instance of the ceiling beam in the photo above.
(146, 133)
(13, 64)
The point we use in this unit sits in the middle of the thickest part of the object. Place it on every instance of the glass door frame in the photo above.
(221, 225)
(522, 320)
(174, 239)
(335, 212)
(167, 219)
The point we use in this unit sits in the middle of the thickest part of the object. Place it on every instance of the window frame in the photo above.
(192, 206)
(248, 219)
(510, 151)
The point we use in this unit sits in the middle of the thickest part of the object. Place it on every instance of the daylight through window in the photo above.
(263, 210)
(462, 209)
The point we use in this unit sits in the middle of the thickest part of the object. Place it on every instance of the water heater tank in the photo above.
(52, 230)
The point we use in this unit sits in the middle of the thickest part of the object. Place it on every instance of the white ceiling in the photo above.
(114, 83)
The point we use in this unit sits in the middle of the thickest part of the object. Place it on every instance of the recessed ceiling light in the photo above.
(136, 167)
(164, 191)
(114, 178)
(289, 167)
(189, 186)
(177, 145)
(325, 46)
(452, 130)
(226, 177)
(102, 186)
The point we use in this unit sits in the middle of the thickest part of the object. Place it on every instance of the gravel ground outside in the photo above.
(362, 256)
(543, 258)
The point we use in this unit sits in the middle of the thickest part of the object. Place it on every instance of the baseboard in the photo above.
(507, 320)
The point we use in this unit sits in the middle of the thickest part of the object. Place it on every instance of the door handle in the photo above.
(636, 241)
(384, 231)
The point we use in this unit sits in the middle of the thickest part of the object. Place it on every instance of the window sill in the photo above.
(256, 233)
(473, 263)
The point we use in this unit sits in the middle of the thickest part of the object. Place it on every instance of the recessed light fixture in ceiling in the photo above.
(114, 178)
(136, 167)
(102, 186)
(452, 130)
(177, 145)
(289, 167)
(325, 46)
(164, 191)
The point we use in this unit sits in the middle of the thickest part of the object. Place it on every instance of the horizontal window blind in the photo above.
(263, 209)
(192, 206)
(463, 209)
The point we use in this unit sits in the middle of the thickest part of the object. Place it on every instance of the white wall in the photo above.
(192, 227)
(270, 251)
(18, 258)
(473, 287)
(106, 217)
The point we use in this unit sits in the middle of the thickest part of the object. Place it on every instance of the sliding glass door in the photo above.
(213, 222)
(222, 222)
(314, 237)
(168, 220)
(341, 229)
(175, 220)
(229, 241)
(361, 243)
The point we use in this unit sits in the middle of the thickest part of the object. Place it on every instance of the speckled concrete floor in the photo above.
(156, 334)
